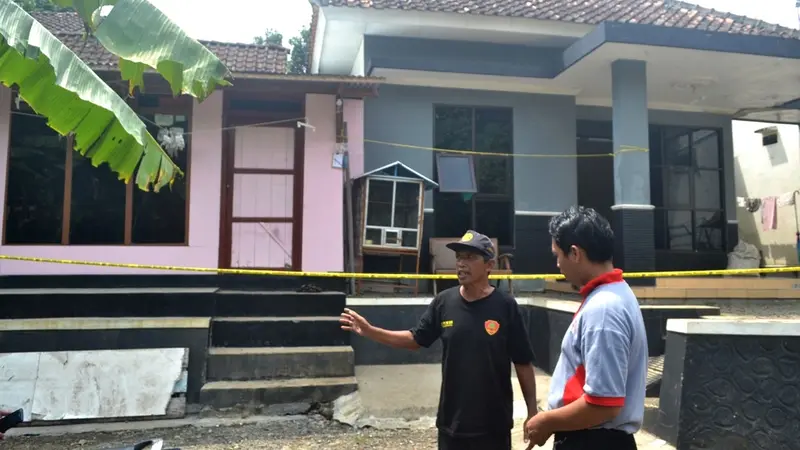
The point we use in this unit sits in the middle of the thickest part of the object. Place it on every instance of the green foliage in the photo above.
(270, 37)
(75, 100)
(298, 60)
(39, 5)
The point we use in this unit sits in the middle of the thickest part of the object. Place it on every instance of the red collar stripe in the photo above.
(615, 276)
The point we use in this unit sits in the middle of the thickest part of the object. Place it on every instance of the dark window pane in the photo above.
(707, 189)
(657, 186)
(706, 148)
(677, 187)
(493, 175)
(372, 236)
(35, 192)
(409, 239)
(494, 219)
(452, 214)
(456, 173)
(660, 229)
(494, 134)
(97, 215)
(679, 224)
(677, 151)
(406, 206)
(160, 217)
(655, 146)
(453, 128)
(709, 229)
(379, 202)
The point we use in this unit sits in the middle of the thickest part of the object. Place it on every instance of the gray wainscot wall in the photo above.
(547, 321)
(731, 384)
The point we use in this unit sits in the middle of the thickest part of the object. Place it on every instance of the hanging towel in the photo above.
(786, 199)
(769, 213)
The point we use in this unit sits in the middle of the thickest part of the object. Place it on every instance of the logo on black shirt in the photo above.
(491, 327)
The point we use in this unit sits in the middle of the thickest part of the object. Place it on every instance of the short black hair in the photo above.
(586, 229)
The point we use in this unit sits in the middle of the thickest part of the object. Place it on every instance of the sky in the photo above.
(237, 20)
(241, 20)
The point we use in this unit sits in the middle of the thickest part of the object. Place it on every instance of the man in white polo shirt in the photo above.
(597, 390)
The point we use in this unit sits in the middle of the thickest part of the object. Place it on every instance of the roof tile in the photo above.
(239, 58)
(648, 12)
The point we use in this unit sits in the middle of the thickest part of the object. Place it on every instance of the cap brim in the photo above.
(462, 247)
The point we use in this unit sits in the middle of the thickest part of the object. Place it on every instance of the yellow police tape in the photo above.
(393, 276)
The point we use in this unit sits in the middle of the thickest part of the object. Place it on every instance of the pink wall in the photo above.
(203, 248)
(323, 206)
(323, 203)
(322, 189)
(354, 116)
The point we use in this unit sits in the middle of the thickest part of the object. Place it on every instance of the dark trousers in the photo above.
(487, 442)
(595, 439)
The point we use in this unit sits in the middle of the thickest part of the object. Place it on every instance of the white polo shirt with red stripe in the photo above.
(604, 353)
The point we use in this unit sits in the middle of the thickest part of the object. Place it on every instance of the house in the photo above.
(253, 196)
(553, 82)
(766, 157)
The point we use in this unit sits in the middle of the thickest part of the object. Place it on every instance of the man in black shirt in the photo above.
(482, 334)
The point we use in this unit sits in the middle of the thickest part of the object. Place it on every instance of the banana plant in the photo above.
(75, 100)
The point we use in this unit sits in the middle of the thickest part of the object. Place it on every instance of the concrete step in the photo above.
(307, 331)
(274, 304)
(227, 394)
(165, 302)
(261, 363)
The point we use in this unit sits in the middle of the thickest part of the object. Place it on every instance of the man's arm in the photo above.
(580, 415)
(426, 332)
(521, 353)
(606, 353)
(527, 382)
(397, 339)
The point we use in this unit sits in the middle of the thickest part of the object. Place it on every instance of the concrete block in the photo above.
(227, 394)
(261, 363)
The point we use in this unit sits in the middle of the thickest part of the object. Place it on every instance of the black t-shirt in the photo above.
(480, 341)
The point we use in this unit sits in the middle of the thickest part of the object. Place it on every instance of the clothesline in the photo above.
(753, 204)
(769, 208)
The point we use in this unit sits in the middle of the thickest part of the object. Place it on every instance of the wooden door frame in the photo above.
(231, 120)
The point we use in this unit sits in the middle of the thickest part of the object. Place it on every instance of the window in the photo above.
(486, 206)
(456, 173)
(55, 195)
(686, 189)
(769, 136)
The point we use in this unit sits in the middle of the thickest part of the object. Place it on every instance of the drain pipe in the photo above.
(341, 141)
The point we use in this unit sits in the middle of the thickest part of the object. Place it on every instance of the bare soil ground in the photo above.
(303, 433)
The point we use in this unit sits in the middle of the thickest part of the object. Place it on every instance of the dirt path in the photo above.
(311, 433)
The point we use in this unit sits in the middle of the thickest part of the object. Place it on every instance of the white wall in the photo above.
(765, 171)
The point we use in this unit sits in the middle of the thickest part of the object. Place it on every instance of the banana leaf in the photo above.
(61, 87)
(144, 37)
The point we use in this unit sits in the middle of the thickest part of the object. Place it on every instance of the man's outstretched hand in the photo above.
(352, 321)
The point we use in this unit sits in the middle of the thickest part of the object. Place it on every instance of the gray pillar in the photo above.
(632, 213)
(630, 132)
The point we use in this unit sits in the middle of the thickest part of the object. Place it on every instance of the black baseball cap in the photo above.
(472, 241)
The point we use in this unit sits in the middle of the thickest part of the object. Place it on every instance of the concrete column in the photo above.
(632, 213)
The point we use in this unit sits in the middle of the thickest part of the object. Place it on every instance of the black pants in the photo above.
(487, 442)
(595, 439)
